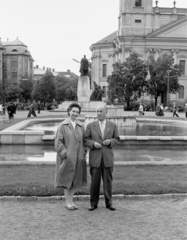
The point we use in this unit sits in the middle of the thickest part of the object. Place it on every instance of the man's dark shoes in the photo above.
(110, 207)
(92, 208)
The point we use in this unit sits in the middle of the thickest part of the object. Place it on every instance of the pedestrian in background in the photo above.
(185, 109)
(1, 110)
(158, 109)
(10, 110)
(140, 110)
(15, 107)
(161, 110)
(39, 106)
(175, 110)
(32, 110)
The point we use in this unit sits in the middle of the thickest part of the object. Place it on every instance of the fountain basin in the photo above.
(17, 135)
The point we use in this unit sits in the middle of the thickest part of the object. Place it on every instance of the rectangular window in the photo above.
(138, 21)
(14, 69)
(138, 3)
(5, 73)
(14, 58)
(182, 63)
(14, 63)
(181, 92)
(4, 65)
(14, 75)
(104, 70)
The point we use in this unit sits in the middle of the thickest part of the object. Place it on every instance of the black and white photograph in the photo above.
(93, 120)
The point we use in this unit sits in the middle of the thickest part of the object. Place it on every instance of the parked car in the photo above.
(50, 106)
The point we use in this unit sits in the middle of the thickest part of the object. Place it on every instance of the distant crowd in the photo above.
(160, 109)
(11, 108)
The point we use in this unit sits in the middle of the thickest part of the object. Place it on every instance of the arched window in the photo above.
(14, 50)
(181, 92)
(138, 3)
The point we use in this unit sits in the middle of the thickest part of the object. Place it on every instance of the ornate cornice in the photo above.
(96, 56)
(111, 54)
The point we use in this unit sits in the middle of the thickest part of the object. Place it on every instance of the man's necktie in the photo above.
(102, 129)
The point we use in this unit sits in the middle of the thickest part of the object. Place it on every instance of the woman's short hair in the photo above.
(74, 105)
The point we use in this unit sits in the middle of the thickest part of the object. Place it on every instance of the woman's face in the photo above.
(74, 113)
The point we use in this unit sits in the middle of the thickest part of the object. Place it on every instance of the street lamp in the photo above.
(3, 83)
(167, 94)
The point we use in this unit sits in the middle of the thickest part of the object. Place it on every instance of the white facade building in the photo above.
(146, 30)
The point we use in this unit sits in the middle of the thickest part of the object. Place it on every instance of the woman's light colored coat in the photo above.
(70, 162)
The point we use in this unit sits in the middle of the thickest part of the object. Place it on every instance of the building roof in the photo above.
(168, 27)
(39, 71)
(16, 42)
(68, 74)
(110, 38)
(1, 45)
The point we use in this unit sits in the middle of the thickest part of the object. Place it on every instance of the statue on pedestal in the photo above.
(84, 68)
(97, 93)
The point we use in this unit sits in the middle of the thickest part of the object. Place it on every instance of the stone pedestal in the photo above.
(86, 106)
(119, 121)
(115, 111)
(83, 89)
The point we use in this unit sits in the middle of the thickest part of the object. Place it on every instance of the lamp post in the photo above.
(3, 84)
(167, 94)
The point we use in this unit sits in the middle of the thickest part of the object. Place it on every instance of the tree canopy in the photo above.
(66, 89)
(44, 89)
(135, 77)
(12, 92)
(27, 87)
(127, 77)
(162, 72)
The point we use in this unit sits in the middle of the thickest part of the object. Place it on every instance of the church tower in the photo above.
(1, 60)
(135, 17)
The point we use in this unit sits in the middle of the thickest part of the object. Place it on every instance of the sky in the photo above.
(58, 31)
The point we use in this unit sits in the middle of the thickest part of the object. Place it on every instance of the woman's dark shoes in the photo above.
(92, 208)
(111, 207)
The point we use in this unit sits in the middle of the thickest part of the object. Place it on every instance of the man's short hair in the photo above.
(102, 106)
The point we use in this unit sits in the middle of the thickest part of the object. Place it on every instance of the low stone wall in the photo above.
(15, 135)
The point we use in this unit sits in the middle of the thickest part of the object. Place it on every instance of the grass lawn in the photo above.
(37, 180)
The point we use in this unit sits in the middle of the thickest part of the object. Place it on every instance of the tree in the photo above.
(27, 87)
(127, 78)
(44, 89)
(161, 71)
(12, 92)
(61, 87)
(66, 88)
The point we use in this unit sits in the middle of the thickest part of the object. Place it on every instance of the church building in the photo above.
(146, 30)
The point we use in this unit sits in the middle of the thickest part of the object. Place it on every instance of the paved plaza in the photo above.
(141, 219)
(23, 114)
(156, 219)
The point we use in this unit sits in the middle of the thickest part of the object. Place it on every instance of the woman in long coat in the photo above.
(70, 172)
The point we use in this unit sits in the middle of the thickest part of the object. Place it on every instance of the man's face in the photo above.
(101, 113)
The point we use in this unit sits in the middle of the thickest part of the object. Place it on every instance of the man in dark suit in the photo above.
(101, 136)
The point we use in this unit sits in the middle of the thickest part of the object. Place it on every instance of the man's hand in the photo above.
(97, 145)
(106, 142)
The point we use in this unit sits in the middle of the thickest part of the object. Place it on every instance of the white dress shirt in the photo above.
(102, 127)
(73, 123)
